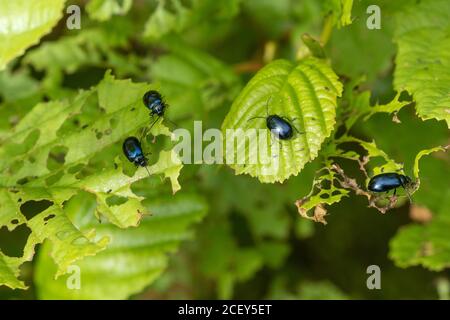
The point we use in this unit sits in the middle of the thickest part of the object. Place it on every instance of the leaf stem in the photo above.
(327, 29)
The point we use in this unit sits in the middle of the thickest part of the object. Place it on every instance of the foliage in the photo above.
(24, 23)
(362, 102)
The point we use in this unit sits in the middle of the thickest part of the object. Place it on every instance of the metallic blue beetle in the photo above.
(279, 127)
(387, 181)
(133, 151)
(154, 102)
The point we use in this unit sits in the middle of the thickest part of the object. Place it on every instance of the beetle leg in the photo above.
(395, 191)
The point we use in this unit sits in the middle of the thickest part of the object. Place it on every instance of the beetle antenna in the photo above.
(167, 119)
(253, 118)
(148, 171)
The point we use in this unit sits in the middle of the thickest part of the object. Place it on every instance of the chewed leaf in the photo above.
(424, 153)
(305, 94)
(62, 148)
(9, 272)
(423, 60)
(135, 256)
(326, 189)
(170, 165)
(23, 23)
(393, 107)
(68, 243)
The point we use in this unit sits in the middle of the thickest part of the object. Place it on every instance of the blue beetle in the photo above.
(154, 102)
(281, 128)
(133, 151)
(387, 181)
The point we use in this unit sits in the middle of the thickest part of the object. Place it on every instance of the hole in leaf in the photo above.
(47, 218)
(13, 242)
(15, 221)
(84, 126)
(98, 135)
(115, 200)
(56, 157)
(85, 77)
(19, 200)
(324, 195)
(108, 132)
(25, 180)
(31, 208)
(325, 184)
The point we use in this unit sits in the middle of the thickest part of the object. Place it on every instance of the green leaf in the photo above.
(24, 23)
(196, 81)
(134, 258)
(77, 147)
(164, 21)
(104, 9)
(326, 190)
(423, 61)
(427, 245)
(424, 153)
(9, 272)
(314, 46)
(89, 47)
(306, 92)
(355, 49)
(342, 11)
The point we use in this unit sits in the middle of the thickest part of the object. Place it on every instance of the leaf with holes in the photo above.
(423, 59)
(305, 94)
(61, 148)
(135, 256)
(425, 153)
(23, 23)
(325, 190)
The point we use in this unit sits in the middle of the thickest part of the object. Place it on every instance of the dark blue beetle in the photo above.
(387, 181)
(280, 128)
(133, 151)
(155, 103)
